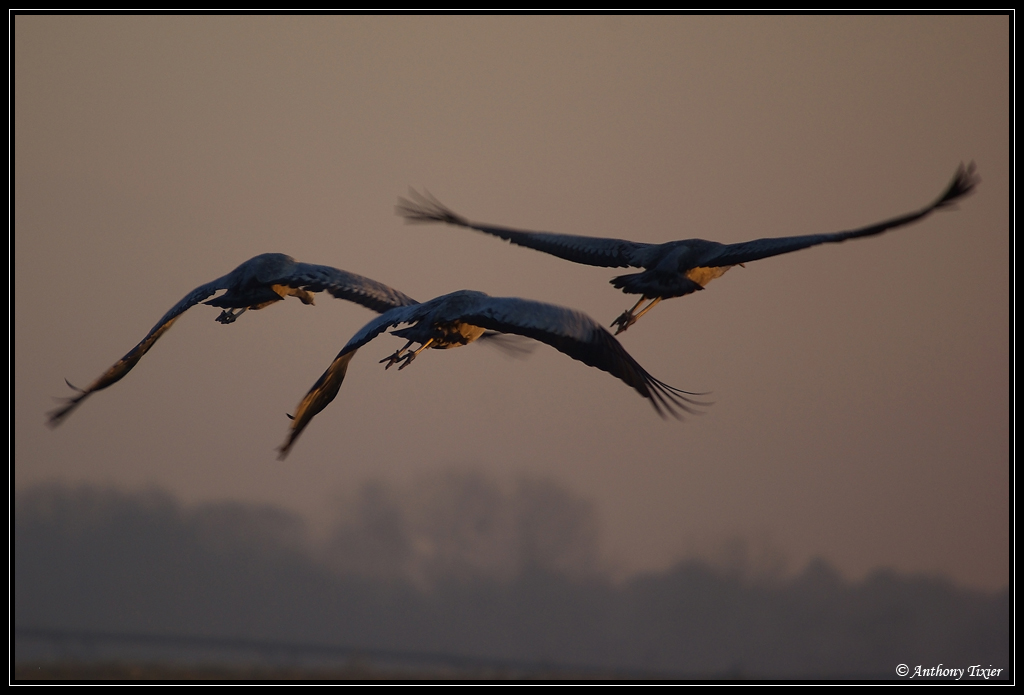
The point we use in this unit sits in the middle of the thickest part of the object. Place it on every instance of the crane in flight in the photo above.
(259, 282)
(459, 318)
(675, 268)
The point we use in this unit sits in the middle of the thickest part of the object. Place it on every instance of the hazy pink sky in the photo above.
(861, 390)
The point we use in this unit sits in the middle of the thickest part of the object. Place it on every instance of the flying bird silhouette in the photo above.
(260, 281)
(460, 318)
(675, 268)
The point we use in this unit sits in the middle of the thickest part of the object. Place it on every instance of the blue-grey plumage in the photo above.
(260, 281)
(675, 268)
(460, 318)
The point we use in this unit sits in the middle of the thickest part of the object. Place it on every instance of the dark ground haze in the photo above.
(467, 567)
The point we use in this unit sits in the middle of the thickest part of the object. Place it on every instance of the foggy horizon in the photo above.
(448, 575)
(416, 509)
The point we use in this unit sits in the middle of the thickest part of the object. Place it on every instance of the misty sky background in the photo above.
(861, 391)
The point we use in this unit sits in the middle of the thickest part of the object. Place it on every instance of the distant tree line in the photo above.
(466, 567)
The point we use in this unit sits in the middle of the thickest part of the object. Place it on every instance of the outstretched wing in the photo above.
(344, 285)
(326, 388)
(732, 254)
(605, 253)
(316, 399)
(581, 338)
(126, 363)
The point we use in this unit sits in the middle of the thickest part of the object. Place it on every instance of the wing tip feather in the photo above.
(965, 180)
(424, 208)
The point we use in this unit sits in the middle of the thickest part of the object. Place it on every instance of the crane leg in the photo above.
(228, 316)
(646, 309)
(412, 355)
(628, 318)
(397, 356)
(400, 356)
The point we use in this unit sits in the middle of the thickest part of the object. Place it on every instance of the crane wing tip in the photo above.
(284, 449)
(55, 418)
(425, 208)
(965, 180)
(674, 400)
